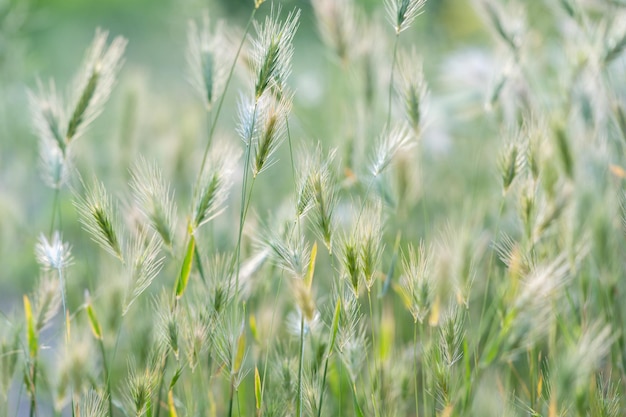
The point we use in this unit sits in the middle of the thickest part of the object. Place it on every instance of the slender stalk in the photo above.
(161, 383)
(55, 202)
(484, 306)
(424, 403)
(244, 207)
(299, 399)
(221, 102)
(319, 406)
(415, 368)
(231, 397)
(106, 377)
(374, 344)
(393, 67)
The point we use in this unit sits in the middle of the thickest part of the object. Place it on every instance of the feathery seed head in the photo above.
(271, 120)
(141, 385)
(54, 254)
(351, 263)
(154, 198)
(413, 89)
(389, 145)
(403, 12)
(370, 235)
(272, 51)
(144, 264)
(206, 57)
(336, 22)
(510, 164)
(46, 301)
(288, 250)
(215, 184)
(98, 216)
(94, 83)
(48, 115)
(417, 286)
(92, 404)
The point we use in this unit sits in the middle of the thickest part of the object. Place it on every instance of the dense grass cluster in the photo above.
(373, 286)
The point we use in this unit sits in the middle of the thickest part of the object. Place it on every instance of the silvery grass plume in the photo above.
(412, 89)
(272, 50)
(530, 312)
(582, 358)
(143, 264)
(154, 198)
(92, 404)
(337, 24)
(48, 116)
(316, 191)
(99, 217)
(207, 58)
(389, 145)
(451, 335)
(54, 254)
(289, 250)
(417, 285)
(214, 186)
(509, 25)
(403, 12)
(263, 126)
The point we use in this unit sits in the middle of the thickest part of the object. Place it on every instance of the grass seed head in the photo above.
(403, 12)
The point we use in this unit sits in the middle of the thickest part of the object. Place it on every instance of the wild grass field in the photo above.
(312, 208)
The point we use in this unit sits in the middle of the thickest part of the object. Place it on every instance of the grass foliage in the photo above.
(452, 250)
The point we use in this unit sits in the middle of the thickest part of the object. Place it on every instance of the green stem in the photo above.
(244, 205)
(299, 399)
(55, 203)
(393, 67)
(319, 406)
(161, 382)
(106, 376)
(230, 401)
(221, 102)
(415, 366)
(491, 256)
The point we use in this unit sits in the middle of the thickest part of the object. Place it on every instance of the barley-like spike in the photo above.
(403, 12)
(99, 218)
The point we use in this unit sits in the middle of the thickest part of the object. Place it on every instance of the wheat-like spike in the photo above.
(272, 50)
(46, 301)
(417, 285)
(48, 117)
(272, 119)
(215, 184)
(155, 199)
(144, 264)
(93, 404)
(288, 250)
(337, 24)
(403, 12)
(412, 88)
(98, 216)
(206, 58)
(94, 83)
(389, 145)
(370, 235)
